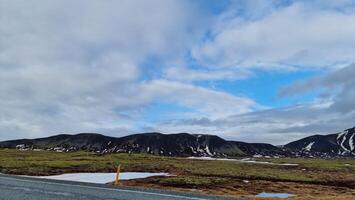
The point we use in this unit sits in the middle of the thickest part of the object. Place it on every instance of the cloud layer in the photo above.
(299, 34)
(92, 66)
(77, 66)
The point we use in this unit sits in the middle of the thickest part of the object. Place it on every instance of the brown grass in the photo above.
(312, 179)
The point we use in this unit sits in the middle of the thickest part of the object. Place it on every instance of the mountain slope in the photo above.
(339, 144)
(261, 149)
(181, 144)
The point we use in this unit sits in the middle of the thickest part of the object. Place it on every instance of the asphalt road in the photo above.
(23, 188)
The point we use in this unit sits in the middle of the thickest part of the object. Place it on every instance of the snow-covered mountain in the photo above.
(339, 144)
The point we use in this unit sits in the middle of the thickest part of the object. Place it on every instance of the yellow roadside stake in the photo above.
(117, 181)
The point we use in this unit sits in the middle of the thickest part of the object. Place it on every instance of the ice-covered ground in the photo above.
(274, 195)
(246, 160)
(101, 177)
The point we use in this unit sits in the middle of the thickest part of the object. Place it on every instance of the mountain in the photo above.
(184, 144)
(339, 144)
(263, 149)
(181, 144)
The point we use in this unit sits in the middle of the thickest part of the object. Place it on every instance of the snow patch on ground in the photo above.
(274, 195)
(245, 160)
(101, 178)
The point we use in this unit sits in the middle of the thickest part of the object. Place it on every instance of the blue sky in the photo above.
(256, 70)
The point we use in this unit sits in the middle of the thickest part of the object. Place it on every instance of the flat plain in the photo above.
(312, 178)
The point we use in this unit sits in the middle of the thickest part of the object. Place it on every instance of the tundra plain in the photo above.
(310, 179)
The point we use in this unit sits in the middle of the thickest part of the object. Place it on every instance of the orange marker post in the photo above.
(117, 181)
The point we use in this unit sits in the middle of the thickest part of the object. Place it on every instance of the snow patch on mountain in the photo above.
(342, 137)
(351, 142)
(309, 146)
(208, 151)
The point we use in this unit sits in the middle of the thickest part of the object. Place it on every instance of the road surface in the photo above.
(23, 188)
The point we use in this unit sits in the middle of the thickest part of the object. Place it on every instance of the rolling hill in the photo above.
(184, 144)
(181, 144)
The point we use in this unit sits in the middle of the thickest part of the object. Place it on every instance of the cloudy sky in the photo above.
(252, 70)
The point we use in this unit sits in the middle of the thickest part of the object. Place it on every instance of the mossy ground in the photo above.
(217, 177)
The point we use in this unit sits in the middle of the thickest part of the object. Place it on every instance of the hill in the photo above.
(181, 144)
(184, 144)
(338, 144)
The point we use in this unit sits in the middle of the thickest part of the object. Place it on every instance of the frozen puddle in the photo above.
(274, 195)
(245, 160)
(101, 177)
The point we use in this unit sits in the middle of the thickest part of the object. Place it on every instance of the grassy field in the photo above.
(312, 177)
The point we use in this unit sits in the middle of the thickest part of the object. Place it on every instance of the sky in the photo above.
(268, 71)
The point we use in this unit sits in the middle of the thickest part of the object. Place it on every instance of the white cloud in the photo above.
(333, 110)
(303, 34)
(190, 75)
(70, 66)
(204, 101)
(82, 31)
(337, 85)
(276, 126)
(76, 66)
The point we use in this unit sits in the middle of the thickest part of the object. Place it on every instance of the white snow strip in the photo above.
(101, 178)
(341, 134)
(199, 150)
(274, 195)
(245, 160)
(343, 140)
(208, 151)
(193, 150)
(309, 146)
(351, 142)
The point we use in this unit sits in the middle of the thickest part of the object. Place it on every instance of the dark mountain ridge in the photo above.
(338, 144)
(180, 144)
(184, 144)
